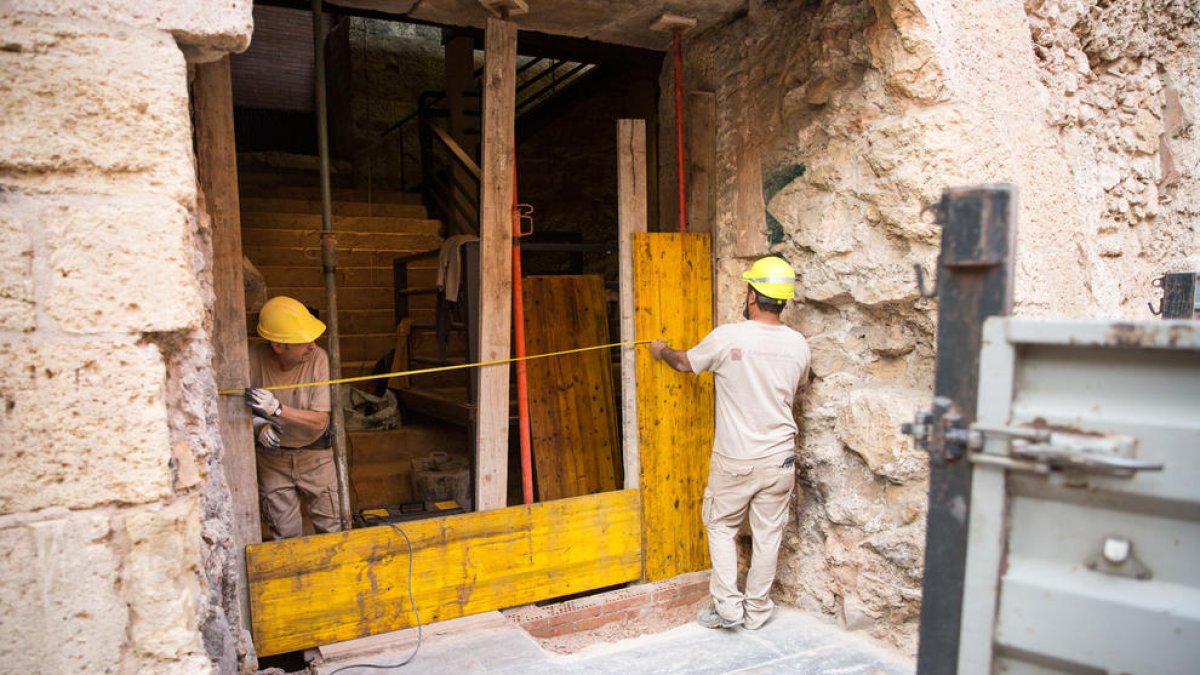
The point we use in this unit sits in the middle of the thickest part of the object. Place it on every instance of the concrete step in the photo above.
(249, 188)
(344, 208)
(307, 221)
(346, 257)
(370, 241)
(346, 276)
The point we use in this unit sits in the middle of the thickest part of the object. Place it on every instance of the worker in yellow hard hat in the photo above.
(758, 367)
(292, 427)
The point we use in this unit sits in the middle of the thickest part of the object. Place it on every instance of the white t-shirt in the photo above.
(757, 368)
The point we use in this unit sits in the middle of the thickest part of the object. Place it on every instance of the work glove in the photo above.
(263, 403)
(266, 433)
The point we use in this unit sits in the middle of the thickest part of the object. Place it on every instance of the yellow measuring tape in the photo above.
(439, 369)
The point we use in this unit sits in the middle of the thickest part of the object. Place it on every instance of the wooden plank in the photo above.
(572, 414)
(631, 217)
(400, 354)
(311, 206)
(701, 154)
(216, 163)
(344, 585)
(309, 221)
(673, 275)
(390, 241)
(495, 288)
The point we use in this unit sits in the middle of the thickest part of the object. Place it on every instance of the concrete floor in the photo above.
(793, 642)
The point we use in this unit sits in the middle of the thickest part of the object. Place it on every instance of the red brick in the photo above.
(536, 624)
(618, 604)
(596, 622)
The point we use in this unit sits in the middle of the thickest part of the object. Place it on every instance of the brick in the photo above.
(121, 266)
(92, 108)
(59, 608)
(82, 425)
(595, 622)
(619, 604)
(160, 579)
(16, 274)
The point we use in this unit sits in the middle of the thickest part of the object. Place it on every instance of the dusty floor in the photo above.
(793, 642)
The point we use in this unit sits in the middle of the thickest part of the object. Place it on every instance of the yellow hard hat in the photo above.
(285, 320)
(772, 277)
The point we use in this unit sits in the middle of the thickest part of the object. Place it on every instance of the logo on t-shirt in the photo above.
(735, 354)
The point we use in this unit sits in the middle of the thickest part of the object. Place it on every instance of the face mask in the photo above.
(746, 309)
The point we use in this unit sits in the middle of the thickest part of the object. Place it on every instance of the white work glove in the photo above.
(263, 403)
(266, 433)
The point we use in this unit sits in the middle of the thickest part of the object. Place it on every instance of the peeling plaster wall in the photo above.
(115, 549)
(837, 121)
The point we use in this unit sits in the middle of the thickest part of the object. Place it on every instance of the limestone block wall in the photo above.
(114, 549)
(838, 120)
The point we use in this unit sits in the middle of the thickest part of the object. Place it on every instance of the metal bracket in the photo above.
(1043, 450)
(941, 427)
(1116, 558)
(921, 290)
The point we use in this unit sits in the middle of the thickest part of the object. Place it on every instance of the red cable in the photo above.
(679, 131)
(519, 338)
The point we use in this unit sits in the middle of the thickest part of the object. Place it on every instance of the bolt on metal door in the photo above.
(1084, 519)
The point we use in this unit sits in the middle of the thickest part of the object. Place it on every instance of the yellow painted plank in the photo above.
(572, 409)
(673, 301)
(332, 587)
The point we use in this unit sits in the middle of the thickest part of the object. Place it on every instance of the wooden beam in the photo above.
(673, 274)
(216, 167)
(631, 218)
(495, 289)
(344, 585)
(701, 153)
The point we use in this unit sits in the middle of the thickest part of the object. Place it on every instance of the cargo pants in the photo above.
(762, 489)
(287, 476)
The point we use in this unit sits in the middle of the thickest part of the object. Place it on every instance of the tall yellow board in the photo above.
(572, 411)
(333, 587)
(672, 301)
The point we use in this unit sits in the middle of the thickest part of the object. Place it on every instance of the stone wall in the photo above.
(839, 119)
(391, 64)
(114, 550)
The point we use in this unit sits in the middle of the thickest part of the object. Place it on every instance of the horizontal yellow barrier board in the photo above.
(333, 587)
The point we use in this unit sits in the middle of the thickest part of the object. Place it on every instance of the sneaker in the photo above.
(709, 618)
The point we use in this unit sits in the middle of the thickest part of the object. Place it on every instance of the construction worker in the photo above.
(758, 366)
(291, 426)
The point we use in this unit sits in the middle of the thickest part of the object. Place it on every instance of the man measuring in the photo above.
(758, 366)
(293, 435)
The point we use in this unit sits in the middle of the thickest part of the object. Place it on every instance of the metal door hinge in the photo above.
(1043, 450)
(940, 431)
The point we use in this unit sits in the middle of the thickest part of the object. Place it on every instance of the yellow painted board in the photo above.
(673, 301)
(572, 409)
(344, 585)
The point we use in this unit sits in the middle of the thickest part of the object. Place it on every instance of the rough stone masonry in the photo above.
(115, 553)
(837, 120)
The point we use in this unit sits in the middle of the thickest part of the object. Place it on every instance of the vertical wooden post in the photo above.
(631, 218)
(216, 161)
(701, 153)
(495, 228)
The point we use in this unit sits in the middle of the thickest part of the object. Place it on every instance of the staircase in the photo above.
(281, 235)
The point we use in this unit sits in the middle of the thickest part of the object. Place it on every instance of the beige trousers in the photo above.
(286, 476)
(761, 488)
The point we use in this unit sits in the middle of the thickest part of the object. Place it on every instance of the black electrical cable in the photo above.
(417, 614)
